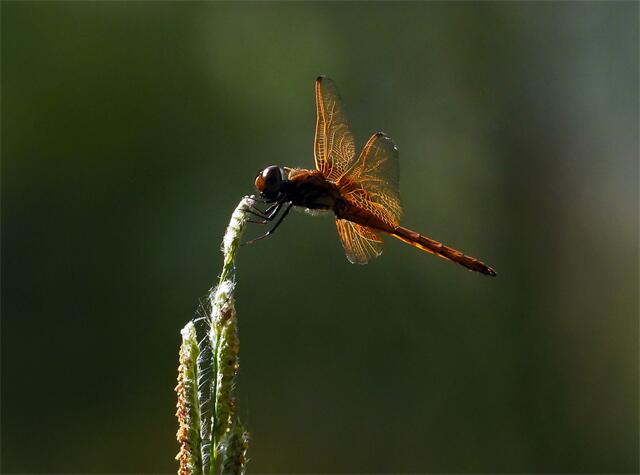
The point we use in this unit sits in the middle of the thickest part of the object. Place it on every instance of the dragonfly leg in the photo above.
(258, 214)
(266, 215)
(275, 226)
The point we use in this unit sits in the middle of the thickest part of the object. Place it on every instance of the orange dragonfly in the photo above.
(363, 192)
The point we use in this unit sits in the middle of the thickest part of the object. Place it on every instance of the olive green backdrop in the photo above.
(131, 130)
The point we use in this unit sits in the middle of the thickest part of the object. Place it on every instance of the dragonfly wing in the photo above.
(360, 243)
(374, 181)
(334, 147)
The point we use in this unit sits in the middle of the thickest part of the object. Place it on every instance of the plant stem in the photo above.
(188, 412)
(221, 439)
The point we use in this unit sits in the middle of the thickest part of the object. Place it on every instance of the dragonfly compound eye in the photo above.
(269, 182)
(260, 183)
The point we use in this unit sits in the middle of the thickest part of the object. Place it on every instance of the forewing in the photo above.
(334, 147)
(374, 181)
(360, 243)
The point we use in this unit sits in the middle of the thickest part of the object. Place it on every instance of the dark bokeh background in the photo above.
(131, 130)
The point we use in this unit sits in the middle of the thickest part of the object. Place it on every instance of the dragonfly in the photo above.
(362, 191)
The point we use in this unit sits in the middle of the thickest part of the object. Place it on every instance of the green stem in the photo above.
(225, 345)
(232, 236)
(213, 441)
(188, 411)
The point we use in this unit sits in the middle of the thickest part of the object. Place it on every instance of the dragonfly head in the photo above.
(269, 182)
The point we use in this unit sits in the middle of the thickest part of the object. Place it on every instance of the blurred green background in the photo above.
(131, 130)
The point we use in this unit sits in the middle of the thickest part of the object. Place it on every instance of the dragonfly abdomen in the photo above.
(350, 212)
(441, 250)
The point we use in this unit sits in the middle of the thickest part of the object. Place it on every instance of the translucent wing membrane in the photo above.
(334, 145)
(373, 182)
(360, 243)
(369, 184)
